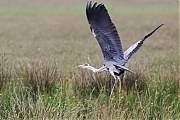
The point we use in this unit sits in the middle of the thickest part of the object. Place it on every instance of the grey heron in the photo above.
(107, 36)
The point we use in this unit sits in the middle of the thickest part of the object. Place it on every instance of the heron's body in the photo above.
(109, 41)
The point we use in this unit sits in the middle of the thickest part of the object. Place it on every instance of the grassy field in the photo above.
(43, 42)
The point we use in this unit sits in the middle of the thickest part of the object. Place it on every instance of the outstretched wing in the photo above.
(105, 32)
(134, 48)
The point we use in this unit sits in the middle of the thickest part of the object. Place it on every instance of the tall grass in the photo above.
(37, 89)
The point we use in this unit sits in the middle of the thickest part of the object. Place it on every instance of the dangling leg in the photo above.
(112, 90)
(125, 74)
(119, 86)
(123, 82)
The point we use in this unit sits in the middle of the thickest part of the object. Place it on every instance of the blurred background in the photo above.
(59, 29)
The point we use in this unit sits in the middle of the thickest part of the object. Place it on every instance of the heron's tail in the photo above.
(124, 68)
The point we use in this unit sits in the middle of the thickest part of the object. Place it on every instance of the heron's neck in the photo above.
(95, 70)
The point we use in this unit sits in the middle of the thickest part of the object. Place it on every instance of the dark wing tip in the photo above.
(160, 26)
(93, 11)
(88, 5)
(152, 31)
(94, 6)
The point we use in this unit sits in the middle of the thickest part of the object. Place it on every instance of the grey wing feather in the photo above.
(105, 32)
(134, 48)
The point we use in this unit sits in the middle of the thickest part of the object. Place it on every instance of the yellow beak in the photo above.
(80, 66)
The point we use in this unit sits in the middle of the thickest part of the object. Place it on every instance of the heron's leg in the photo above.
(112, 90)
(119, 86)
(125, 74)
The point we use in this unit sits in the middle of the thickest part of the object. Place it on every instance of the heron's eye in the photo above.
(86, 64)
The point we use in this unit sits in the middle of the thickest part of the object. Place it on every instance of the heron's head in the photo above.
(84, 65)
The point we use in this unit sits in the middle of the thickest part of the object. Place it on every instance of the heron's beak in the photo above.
(80, 66)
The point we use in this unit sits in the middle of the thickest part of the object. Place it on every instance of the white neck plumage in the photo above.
(96, 70)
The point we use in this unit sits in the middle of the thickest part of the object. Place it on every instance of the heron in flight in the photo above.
(107, 36)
